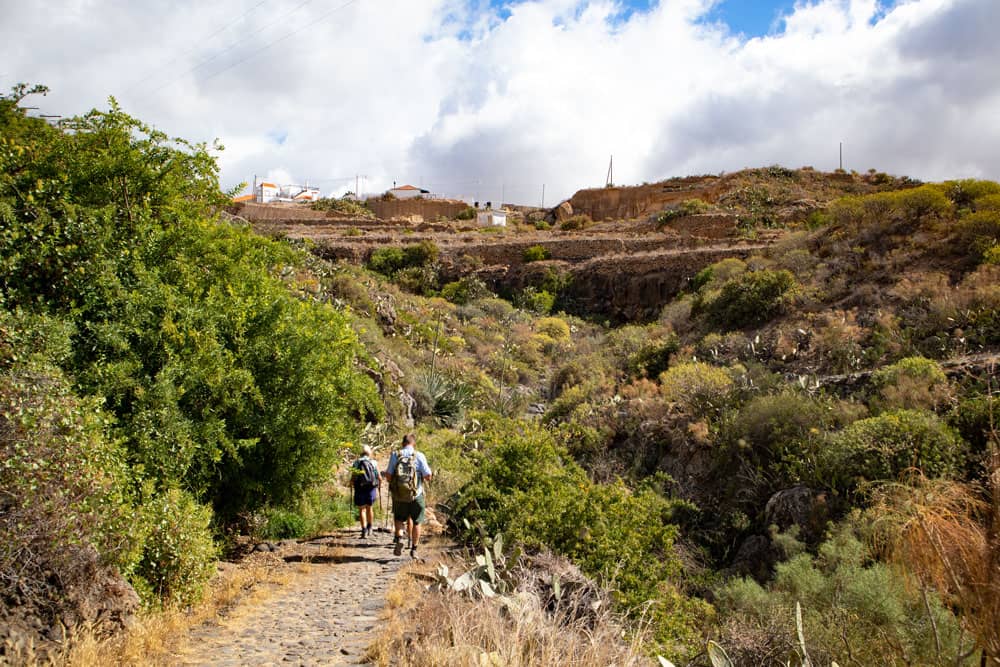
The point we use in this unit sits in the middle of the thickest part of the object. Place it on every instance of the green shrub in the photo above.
(422, 280)
(698, 387)
(979, 232)
(886, 446)
(751, 298)
(914, 383)
(554, 327)
(464, 290)
(283, 523)
(992, 255)
(682, 210)
(64, 504)
(854, 610)
(988, 203)
(386, 261)
(964, 193)
(467, 213)
(420, 254)
(178, 556)
(576, 222)
(390, 260)
(653, 358)
(535, 300)
(346, 206)
(536, 253)
(976, 417)
(526, 487)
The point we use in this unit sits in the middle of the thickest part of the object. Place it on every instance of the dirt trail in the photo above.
(326, 615)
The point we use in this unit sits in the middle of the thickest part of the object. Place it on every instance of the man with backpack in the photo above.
(407, 471)
(366, 482)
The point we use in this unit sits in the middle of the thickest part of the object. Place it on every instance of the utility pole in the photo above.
(543, 196)
(611, 173)
(842, 156)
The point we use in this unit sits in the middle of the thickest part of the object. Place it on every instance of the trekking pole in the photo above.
(381, 508)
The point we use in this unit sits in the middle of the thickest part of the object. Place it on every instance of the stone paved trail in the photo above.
(326, 615)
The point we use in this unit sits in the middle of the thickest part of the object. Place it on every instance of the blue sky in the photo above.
(752, 18)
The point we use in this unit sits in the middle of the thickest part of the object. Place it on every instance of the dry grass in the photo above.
(947, 534)
(525, 628)
(154, 636)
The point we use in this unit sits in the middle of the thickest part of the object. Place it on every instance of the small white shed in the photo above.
(490, 218)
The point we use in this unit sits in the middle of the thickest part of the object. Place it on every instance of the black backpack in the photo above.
(366, 475)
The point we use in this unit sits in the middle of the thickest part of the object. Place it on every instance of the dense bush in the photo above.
(886, 446)
(854, 610)
(750, 298)
(965, 193)
(535, 300)
(698, 387)
(553, 327)
(345, 206)
(464, 290)
(391, 260)
(525, 486)
(576, 222)
(914, 383)
(979, 232)
(178, 555)
(536, 253)
(63, 493)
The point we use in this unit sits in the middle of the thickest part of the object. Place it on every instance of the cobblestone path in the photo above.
(326, 615)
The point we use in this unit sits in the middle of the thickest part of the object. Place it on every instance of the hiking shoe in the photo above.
(397, 547)
(413, 554)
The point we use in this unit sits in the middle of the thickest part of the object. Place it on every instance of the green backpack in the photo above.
(405, 484)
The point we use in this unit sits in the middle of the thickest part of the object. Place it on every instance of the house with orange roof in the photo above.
(408, 192)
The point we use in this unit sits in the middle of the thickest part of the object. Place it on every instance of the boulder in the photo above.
(798, 506)
(563, 211)
(755, 558)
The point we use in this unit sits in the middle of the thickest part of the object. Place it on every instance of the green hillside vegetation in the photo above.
(755, 447)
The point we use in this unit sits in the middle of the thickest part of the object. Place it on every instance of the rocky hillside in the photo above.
(622, 252)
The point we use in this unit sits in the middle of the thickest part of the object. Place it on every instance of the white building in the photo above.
(408, 192)
(490, 218)
(266, 191)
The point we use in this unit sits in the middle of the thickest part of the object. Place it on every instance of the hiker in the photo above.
(366, 481)
(407, 471)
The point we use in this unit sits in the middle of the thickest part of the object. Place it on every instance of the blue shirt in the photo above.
(423, 470)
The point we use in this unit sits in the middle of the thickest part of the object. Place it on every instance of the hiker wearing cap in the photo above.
(406, 473)
(366, 481)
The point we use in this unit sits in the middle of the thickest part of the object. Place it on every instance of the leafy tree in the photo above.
(223, 376)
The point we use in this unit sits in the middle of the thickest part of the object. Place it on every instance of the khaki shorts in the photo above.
(401, 511)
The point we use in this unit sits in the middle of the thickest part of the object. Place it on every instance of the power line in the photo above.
(267, 46)
(224, 51)
(138, 82)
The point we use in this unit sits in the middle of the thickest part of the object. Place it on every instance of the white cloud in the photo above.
(448, 94)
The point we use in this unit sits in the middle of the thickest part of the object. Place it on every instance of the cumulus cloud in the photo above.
(471, 98)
